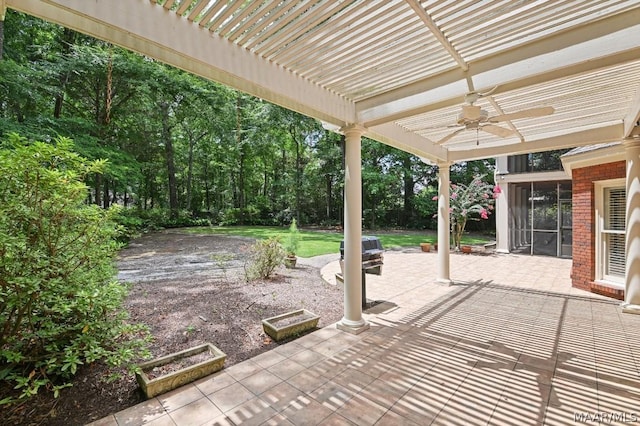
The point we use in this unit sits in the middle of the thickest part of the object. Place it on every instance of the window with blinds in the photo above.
(614, 232)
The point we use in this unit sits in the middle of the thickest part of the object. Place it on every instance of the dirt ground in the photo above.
(189, 289)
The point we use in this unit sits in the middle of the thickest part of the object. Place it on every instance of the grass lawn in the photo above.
(315, 242)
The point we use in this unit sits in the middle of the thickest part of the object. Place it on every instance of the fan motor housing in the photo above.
(472, 113)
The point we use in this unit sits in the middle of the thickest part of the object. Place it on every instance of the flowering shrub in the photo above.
(470, 202)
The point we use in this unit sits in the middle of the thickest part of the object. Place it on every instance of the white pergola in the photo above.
(397, 71)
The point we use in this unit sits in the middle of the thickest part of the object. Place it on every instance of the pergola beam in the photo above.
(587, 48)
(633, 115)
(141, 26)
(605, 134)
(437, 33)
(393, 135)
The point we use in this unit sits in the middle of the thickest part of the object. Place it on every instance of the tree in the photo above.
(470, 202)
(60, 306)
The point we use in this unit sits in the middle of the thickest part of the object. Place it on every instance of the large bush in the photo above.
(60, 306)
(264, 257)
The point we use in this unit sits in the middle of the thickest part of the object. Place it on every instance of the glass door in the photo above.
(566, 226)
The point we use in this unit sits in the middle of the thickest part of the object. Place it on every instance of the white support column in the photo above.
(352, 321)
(632, 277)
(444, 227)
(502, 207)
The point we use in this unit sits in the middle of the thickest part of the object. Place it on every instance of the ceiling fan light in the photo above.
(472, 113)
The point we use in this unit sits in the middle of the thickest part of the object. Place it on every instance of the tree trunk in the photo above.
(408, 198)
(67, 40)
(1, 34)
(97, 186)
(329, 195)
(241, 170)
(207, 194)
(171, 166)
(298, 172)
(105, 194)
(190, 171)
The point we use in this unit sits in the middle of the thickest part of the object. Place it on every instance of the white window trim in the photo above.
(599, 189)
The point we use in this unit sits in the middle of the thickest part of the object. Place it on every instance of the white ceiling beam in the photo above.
(600, 44)
(437, 33)
(611, 133)
(143, 27)
(633, 114)
(394, 135)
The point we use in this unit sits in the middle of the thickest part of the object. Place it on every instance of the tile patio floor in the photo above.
(509, 343)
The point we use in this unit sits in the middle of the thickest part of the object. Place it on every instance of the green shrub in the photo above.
(264, 258)
(292, 240)
(236, 216)
(60, 307)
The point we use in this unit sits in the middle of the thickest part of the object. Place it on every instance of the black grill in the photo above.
(372, 255)
(372, 260)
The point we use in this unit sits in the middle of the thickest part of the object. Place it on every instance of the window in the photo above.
(610, 242)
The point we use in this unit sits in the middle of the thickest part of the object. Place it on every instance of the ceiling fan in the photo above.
(473, 117)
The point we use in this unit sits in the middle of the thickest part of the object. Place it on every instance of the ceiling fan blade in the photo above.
(450, 126)
(497, 130)
(525, 113)
(449, 136)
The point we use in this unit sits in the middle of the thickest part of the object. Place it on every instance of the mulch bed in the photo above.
(189, 289)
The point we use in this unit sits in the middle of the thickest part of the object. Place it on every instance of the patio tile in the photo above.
(230, 397)
(305, 411)
(308, 380)
(243, 370)
(330, 347)
(165, 420)
(361, 411)
(335, 365)
(260, 382)
(215, 382)
(332, 395)
(307, 357)
(141, 413)
(383, 393)
(280, 396)
(221, 420)
(277, 420)
(336, 420)
(309, 340)
(180, 397)
(353, 379)
(391, 418)
(287, 369)
(195, 413)
(268, 359)
(289, 349)
(251, 413)
(422, 406)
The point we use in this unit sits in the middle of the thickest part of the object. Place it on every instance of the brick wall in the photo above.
(583, 199)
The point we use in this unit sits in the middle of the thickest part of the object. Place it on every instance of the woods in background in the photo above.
(181, 148)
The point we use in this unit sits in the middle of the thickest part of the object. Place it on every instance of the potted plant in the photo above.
(426, 247)
(290, 245)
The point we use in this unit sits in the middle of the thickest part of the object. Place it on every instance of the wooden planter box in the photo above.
(290, 324)
(161, 383)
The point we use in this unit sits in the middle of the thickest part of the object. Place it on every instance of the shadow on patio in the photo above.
(478, 354)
